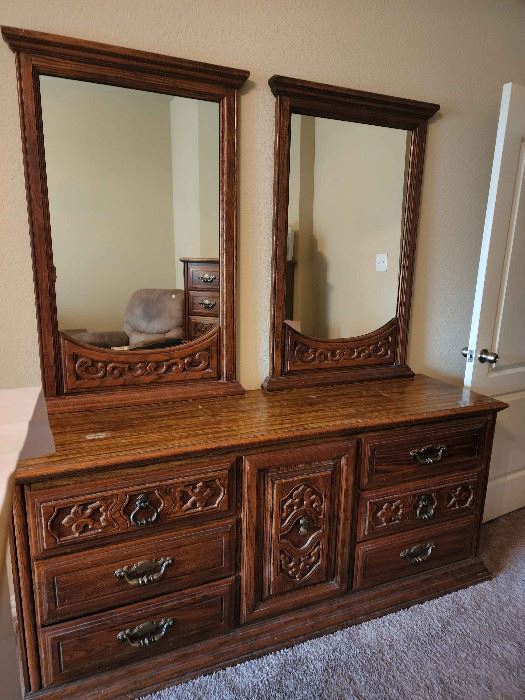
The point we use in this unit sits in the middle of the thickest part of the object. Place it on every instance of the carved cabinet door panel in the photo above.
(296, 527)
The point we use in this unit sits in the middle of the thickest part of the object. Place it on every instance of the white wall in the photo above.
(108, 168)
(456, 53)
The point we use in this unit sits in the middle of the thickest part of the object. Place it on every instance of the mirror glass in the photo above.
(345, 209)
(133, 185)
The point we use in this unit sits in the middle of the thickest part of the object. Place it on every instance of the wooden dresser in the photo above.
(202, 295)
(164, 541)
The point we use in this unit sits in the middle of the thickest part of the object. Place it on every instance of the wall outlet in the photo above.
(381, 262)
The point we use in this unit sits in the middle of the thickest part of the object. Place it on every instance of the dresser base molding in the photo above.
(259, 638)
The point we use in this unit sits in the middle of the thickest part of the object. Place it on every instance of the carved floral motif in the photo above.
(204, 495)
(302, 497)
(460, 497)
(299, 567)
(392, 512)
(383, 349)
(80, 519)
(300, 530)
(89, 368)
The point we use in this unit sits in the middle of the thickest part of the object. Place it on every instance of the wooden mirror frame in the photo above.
(199, 368)
(300, 360)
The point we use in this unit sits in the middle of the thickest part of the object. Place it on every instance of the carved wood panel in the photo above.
(67, 516)
(87, 367)
(376, 348)
(394, 512)
(296, 514)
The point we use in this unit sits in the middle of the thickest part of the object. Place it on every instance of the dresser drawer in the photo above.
(203, 303)
(395, 511)
(203, 276)
(65, 516)
(418, 452)
(75, 585)
(199, 325)
(407, 554)
(99, 642)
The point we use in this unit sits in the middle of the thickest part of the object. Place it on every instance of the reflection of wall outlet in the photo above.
(381, 262)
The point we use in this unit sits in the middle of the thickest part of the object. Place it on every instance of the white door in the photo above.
(498, 319)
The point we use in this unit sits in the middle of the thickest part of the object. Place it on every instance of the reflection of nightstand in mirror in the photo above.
(202, 298)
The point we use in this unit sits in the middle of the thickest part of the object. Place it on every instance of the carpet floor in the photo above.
(468, 645)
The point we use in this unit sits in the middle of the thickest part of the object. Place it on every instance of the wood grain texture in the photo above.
(67, 586)
(45, 54)
(296, 527)
(262, 637)
(391, 558)
(67, 516)
(298, 360)
(133, 435)
(423, 503)
(90, 645)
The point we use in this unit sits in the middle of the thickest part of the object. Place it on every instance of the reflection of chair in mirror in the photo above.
(154, 317)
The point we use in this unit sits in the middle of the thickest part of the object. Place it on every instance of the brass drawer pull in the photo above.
(426, 506)
(207, 303)
(207, 278)
(142, 503)
(305, 524)
(430, 454)
(144, 572)
(419, 553)
(145, 634)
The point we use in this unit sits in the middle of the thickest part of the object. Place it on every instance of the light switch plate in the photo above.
(381, 262)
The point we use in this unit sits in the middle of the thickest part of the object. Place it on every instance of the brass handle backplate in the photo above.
(205, 277)
(429, 454)
(144, 572)
(207, 303)
(425, 506)
(142, 504)
(305, 524)
(145, 634)
(419, 553)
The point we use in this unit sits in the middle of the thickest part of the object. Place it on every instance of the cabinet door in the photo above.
(296, 527)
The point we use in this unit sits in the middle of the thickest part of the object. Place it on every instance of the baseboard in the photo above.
(504, 494)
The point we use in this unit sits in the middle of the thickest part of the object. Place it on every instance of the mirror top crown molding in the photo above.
(297, 359)
(319, 99)
(78, 376)
(119, 57)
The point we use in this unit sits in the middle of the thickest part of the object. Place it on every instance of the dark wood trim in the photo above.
(23, 584)
(46, 54)
(328, 360)
(105, 55)
(263, 637)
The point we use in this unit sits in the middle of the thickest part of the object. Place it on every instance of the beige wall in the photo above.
(108, 168)
(456, 53)
(195, 172)
(354, 176)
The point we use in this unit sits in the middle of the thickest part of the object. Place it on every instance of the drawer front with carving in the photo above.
(395, 511)
(64, 516)
(204, 303)
(76, 585)
(418, 452)
(74, 649)
(407, 554)
(200, 325)
(296, 526)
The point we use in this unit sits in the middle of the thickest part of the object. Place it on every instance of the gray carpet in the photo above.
(468, 645)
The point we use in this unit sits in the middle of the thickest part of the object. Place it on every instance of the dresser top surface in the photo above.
(132, 434)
